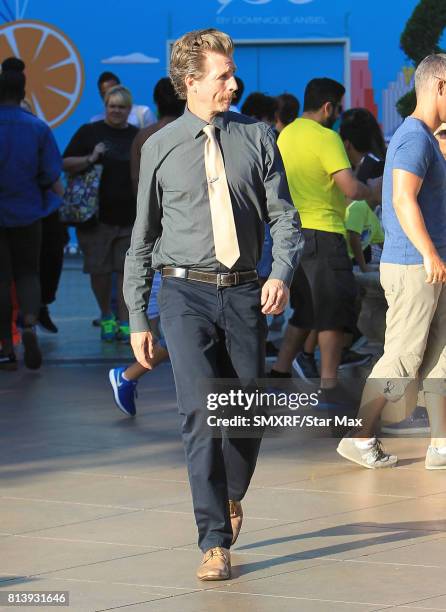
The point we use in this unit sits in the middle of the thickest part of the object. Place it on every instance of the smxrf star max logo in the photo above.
(225, 3)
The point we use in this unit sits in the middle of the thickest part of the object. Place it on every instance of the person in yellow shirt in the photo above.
(363, 229)
(320, 178)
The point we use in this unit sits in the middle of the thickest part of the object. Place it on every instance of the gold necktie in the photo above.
(223, 225)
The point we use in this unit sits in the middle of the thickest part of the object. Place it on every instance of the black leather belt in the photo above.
(221, 279)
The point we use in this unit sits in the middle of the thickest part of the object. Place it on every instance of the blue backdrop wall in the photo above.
(280, 45)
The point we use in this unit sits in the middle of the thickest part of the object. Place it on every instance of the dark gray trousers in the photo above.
(213, 333)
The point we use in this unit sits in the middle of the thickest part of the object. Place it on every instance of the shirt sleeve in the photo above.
(333, 155)
(148, 117)
(355, 217)
(135, 161)
(414, 154)
(283, 218)
(50, 161)
(79, 144)
(138, 272)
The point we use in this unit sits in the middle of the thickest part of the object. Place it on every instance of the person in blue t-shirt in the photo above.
(30, 166)
(413, 273)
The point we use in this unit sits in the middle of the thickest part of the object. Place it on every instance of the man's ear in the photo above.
(190, 82)
(328, 108)
(441, 90)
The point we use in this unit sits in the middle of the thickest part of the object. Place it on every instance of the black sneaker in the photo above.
(45, 320)
(32, 355)
(275, 374)
(305, 366)
(351, 359)
(8, 363)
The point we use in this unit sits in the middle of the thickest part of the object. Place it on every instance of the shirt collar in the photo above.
(195, 124)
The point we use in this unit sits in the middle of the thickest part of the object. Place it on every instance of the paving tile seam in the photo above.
(337, 492)
(101, 582)
(138, 603)
(91, 564)
(75, 523)
(186, 590)
(72, 503)
(132, 509)
(158, 508)
(125, 477)
(385, 528)
(28, 535)
(82, 541)
(391, 563)
(295, 597)
(409, 604)
(408, 607)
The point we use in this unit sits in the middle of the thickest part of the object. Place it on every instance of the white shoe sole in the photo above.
(112, 380)
(365, 465)
(405, 432)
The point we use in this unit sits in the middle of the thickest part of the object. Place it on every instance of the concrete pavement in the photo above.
(97, 504)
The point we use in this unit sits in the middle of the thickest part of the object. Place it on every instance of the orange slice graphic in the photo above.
(54, 69)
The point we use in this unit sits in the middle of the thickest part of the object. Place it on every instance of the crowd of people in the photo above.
(212, 215)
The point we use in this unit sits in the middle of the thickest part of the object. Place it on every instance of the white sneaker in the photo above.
(372, 458)
(434, 459)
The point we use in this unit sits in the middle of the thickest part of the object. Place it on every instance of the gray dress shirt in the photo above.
(173, 223)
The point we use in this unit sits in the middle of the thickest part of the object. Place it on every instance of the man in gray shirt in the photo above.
(208, 182)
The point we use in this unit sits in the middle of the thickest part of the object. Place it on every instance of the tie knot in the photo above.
(209, 130)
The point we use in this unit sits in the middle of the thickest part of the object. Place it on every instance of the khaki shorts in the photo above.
(104, 247)
(415, 341)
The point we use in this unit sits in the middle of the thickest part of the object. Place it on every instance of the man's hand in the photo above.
(435, 269)
(143, 348)
(275, 296)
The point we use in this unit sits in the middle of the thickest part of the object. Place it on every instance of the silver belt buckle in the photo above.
(221, 276)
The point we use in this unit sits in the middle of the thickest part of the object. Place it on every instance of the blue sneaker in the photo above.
(124, 391)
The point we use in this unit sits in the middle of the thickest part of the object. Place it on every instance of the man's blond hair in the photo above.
(189, 54)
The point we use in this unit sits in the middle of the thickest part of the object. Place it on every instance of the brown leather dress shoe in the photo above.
(236, 514)
(216, 565)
